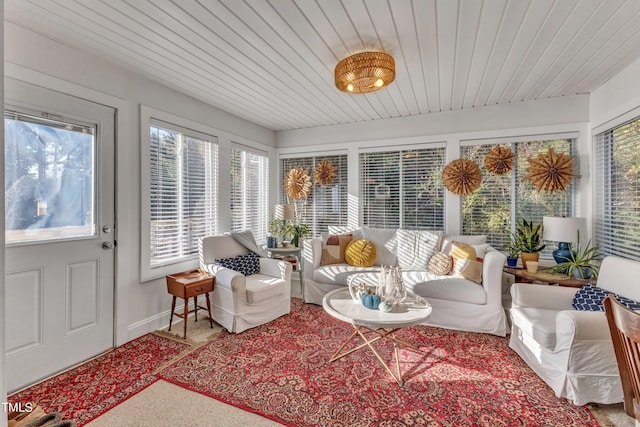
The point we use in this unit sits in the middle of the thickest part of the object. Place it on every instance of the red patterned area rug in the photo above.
(90, 389)
(281, 371)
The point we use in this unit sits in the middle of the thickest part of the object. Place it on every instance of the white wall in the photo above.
(540, 119)
(140, 307)
(616, 98)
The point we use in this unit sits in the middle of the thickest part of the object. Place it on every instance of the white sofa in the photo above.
(571, 350)
(457, 303)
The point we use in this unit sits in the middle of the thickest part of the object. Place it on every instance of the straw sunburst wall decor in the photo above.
(462, 176)
(499, 160)
(325, 173)
(297, 183)
(551, 171)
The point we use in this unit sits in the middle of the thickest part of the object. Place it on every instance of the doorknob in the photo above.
(107, 245)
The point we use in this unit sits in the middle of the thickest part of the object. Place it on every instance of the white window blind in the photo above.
(183, 193)
(403, 189)
(501, 200)
(250, 192)
(326, 205)
(617, 225)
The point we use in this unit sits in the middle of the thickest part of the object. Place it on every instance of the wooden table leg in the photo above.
(186, 316)
(173, 307)
(206, 295)
(195, 307)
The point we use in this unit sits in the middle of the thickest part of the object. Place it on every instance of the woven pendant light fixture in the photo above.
(365, 72)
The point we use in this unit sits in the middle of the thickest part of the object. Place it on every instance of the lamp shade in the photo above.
(284, 212)
(564, 229)
(365, 72)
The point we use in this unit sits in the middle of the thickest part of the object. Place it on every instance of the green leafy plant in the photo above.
(276, 227)
(297, 231)
(582, 262)
(513, 247)
(529, 236)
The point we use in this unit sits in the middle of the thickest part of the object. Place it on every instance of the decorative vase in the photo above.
(391, 286)
(512, 262)
(526, 256)
(272, 242)
(581, 273)
(295, 240)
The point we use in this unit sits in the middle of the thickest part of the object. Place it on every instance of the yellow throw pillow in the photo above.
(466, 263)
(361, 253)
(333, 247)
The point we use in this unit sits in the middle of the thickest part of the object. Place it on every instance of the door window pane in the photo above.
(49, 179)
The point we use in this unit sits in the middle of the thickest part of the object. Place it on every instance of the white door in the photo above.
(59, 198)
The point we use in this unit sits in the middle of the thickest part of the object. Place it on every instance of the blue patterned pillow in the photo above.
(248, 264)
(591, 298)
(245, 264)
(226, 262)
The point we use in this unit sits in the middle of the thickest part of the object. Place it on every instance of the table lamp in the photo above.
(563, 230)
(283, 212)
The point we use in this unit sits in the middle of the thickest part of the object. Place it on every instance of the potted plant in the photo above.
(297, 231)
(513, 251)
(529, 238)
(581, 262)
(276, 228)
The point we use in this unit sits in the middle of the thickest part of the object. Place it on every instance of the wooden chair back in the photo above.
(624, 325)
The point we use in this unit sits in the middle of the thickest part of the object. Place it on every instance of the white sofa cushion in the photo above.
(260, 288)
(428, 285)
(339, 274)
(538, 323)
(386, 244)
(416, 247)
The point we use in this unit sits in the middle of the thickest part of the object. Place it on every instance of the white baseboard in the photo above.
(154, 323)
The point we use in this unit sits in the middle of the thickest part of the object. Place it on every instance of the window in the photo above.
(403, 189)
(326, 205)
(183, 192)
(249, 192)
(501, 200)
(49, 179)
(617, 225)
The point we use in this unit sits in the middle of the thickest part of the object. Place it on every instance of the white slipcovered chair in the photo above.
(241, 302)
(571, 350)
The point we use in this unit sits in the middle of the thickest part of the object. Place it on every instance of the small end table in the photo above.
(186, 285)
(279, 252)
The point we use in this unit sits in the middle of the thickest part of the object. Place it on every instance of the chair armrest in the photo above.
(227, 278)
(542, 296)
(275, 268)
(311, 256)
(583, 325)
(492, 276)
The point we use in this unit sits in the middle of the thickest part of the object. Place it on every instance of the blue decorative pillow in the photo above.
(245, 264)
(591, 298)
(248, 264)
(226, 262)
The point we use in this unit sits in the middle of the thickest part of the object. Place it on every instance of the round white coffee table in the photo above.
(340, 305)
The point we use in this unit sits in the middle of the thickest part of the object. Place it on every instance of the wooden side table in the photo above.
(546, 278)
(186, 285)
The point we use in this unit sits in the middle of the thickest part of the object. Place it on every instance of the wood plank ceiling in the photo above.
(272, 61)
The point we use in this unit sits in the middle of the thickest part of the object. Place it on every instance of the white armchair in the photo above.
(571, 350)
(241, 302)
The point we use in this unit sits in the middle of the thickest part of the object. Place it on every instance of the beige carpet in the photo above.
(164, 404)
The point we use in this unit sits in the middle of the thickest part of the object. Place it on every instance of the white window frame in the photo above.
(575, 136)
(262, 193)
(152, 117)
(398, 149)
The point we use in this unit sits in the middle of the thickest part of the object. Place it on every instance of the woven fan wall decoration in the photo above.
(325, 173)
(462, 176)
(551, 171)
(499, 160)
(297, 183)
